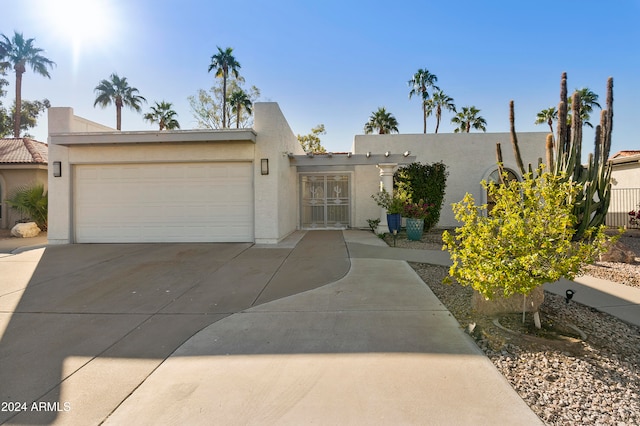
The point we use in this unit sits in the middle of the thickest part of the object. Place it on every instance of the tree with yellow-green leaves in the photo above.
(311, 142)
(525, 241)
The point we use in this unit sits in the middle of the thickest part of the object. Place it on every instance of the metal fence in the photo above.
(622, 202)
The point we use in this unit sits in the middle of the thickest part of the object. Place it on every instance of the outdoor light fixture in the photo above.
(330, 154)
(386, 154)
(407, 153)
(57, 169)
(264, 166)
(348, 155)
(569, 295)
(368, 154)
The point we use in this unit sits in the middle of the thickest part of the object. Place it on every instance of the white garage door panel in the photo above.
(166, 202)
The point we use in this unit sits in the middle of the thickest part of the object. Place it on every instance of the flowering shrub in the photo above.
(419, 210)
(634, 217)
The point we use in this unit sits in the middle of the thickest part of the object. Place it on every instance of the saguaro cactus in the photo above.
(591, 205)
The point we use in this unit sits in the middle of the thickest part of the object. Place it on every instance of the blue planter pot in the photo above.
(394, 221)
(414, 229)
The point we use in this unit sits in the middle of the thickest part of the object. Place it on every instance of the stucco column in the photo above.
(386, 182)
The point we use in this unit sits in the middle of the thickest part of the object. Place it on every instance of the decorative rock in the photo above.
(25, 230)
(619, 252)
(509, 305)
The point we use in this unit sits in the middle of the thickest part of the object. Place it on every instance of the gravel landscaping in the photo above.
(565, 378)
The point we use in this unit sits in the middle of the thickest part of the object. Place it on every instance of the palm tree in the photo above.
(588, 100)
(162, 114)
(421, 82)
(223, 62)
(468, 118)
(548, 116)
(238, 100)
(117, 90)
(438, 101)
(381, 121)
(19, 53)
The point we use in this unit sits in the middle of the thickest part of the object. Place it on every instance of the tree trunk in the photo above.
(424, 117)
(238, 117)
(118, 117)
(224, 98)
(18, 113)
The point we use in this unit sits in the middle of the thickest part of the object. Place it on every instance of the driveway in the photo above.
(319, 329)
(106, 316)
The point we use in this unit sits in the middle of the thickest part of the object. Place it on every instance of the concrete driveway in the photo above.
(106, 316)
(320, 329)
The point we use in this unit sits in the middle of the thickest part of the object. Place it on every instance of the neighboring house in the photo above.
(241, 185)
(23, 162)
(625, 187)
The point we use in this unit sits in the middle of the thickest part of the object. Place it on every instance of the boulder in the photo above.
(513, 304)
(618, 252)
(25, 230)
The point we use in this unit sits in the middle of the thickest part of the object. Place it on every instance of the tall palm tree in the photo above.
(239, 100)
(117, 90)
(19, 53)
(223, 62)
(548, 116)
(468, 118)
(381, 121)
(420, 84)
(162, 114)
(438, 101)
(588, 100)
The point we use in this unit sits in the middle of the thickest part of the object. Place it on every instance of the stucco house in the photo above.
(247, 185)
(625, 187)
(23, 162)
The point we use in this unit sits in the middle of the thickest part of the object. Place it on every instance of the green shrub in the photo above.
(32, 201)
(525, 242)
(392, 203)
(424, 182)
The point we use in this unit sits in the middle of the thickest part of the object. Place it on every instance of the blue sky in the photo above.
(334, 62)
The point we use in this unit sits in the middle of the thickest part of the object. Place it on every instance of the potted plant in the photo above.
(393, 204)
(416, 213)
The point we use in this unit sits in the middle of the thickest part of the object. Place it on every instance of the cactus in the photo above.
(591, 205)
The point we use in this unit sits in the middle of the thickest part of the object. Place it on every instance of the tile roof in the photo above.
(627, 153)
(23, 150)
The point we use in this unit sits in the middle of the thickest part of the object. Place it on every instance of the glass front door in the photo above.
(325, 201)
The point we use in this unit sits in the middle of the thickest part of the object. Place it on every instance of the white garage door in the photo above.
(164, 202)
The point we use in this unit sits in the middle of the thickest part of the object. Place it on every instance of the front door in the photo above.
(326, 201)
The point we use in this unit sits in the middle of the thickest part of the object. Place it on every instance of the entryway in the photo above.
(325, 201)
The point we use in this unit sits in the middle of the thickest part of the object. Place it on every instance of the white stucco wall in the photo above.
(469, 157)
(626, 175)
(276, 201)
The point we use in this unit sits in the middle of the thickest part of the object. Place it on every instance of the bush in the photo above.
(424, 182)
(32, 201)
(392, 203)
(525, 242)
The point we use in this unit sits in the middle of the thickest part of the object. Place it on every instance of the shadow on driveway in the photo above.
(102, 318)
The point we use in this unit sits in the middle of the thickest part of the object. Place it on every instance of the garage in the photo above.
(163, 202)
